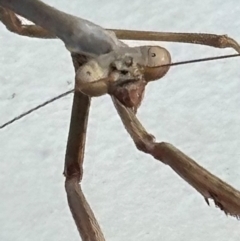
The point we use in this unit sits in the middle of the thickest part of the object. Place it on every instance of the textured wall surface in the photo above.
(195, 107)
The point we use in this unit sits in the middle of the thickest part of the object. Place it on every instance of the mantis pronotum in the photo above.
(158, 120)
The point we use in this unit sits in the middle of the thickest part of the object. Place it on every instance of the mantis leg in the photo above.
(82, 213)
(14, 24)
(212, 40)
(211, 187)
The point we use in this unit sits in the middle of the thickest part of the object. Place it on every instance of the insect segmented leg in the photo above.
(212, 40)
(15, 25)
(224, 196)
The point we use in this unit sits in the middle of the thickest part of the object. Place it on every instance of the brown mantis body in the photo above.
(224, 196)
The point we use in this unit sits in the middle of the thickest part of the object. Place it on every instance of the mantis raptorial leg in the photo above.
(212, 40)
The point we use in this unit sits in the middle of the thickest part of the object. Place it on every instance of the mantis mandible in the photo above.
(126, 113)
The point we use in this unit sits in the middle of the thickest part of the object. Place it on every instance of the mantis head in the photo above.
(123, 75)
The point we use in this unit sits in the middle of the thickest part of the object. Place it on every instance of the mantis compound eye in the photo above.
(156, 57)
(87, 73)
(90, 79)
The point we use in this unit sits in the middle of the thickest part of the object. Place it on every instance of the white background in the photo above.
(134, 197)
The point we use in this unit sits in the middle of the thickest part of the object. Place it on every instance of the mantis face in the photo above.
(144, 65)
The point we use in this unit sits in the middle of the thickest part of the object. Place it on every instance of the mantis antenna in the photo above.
(72, 90)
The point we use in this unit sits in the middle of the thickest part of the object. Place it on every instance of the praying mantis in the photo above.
(148, 162)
